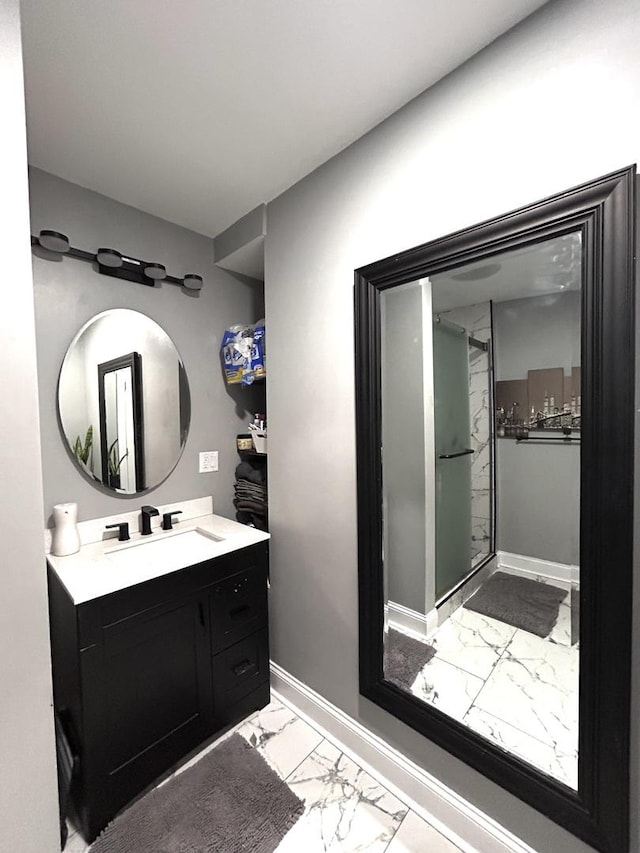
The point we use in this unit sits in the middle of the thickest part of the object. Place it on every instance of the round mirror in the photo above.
(124, 402)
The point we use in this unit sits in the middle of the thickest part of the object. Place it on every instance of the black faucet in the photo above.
(167, 519)
(147, 512)
(123, 530)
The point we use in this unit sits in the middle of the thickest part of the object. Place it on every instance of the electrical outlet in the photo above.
(208, 461)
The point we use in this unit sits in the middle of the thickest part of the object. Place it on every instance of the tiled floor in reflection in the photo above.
(515, 688)
(346, 810)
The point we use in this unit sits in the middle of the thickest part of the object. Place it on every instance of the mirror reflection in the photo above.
(481, 414)
(123, 401)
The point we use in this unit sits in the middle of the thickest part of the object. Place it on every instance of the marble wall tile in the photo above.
(481, 465)
(474, 318)
(481, 504)
(480, 538)
(480, 531)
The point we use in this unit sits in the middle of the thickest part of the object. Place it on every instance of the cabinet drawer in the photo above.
(167, 588)
(238, 607)
(239, 670)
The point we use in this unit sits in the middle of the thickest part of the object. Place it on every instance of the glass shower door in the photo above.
(453, 453)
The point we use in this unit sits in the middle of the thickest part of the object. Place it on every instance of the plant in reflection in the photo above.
(114, 464)
(81, 451)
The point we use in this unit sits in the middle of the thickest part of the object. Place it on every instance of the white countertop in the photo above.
(94, 570)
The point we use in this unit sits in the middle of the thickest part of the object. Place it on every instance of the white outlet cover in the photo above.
(208, 461)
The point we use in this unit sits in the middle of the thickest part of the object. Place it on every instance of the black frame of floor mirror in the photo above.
(603, 212)
(134, 361)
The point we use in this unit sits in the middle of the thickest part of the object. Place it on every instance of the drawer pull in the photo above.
(237, 612)
(242, 667)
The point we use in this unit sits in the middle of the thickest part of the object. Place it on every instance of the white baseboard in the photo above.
(518, 564)
(411, 622)
(455, 818)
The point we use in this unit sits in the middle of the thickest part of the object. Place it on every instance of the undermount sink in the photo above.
(172, 550)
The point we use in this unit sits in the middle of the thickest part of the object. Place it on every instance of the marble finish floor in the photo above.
(346, 809)
(516, 689)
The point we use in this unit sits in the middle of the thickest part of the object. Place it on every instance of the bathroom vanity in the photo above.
(156, 646)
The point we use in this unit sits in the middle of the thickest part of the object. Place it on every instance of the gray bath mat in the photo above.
(575, 615)
(404, 657)
(231, 801)
(523, 603)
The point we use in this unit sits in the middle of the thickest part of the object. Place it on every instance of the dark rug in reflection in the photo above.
(404, 657)
(521, 602)
(575, 616)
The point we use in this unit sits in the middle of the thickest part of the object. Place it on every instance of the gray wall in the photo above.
(538, 498)
(513, 125)
(536, 333)
(403, 443)
(28, 785)
(248, 228)
(69, 292)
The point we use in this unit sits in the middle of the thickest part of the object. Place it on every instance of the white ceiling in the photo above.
(539, 269)
(199, 110)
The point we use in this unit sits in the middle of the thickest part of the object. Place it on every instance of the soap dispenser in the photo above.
(65, 538)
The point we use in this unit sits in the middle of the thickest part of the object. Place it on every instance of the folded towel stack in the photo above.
(254, 473)
(251, 493)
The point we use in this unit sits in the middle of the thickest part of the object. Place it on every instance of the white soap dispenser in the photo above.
(65, 538)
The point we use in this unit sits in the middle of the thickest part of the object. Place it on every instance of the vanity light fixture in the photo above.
(108, 257)
(114, 263)
(54, 241)
(192, 281)
(157, 272)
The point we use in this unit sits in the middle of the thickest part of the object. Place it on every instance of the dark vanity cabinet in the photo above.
(145, 674)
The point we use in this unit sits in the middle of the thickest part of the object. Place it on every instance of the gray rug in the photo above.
(404, 657)
(575, 615)
(521, 602)
(231, 801)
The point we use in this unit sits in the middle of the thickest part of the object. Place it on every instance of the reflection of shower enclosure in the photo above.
(462, 431)
(437, 451)
(452, 456)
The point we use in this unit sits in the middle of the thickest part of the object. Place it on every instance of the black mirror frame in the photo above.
(603, 212)
(134, 361)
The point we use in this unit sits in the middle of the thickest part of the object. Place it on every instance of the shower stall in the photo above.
(463, 459)
(437, 447)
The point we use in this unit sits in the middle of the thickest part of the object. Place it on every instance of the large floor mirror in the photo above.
(494, 374)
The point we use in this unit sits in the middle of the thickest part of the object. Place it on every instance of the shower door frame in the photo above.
(432, 602)
(473, 570)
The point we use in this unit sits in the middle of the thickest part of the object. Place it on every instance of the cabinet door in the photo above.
(154, 702)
